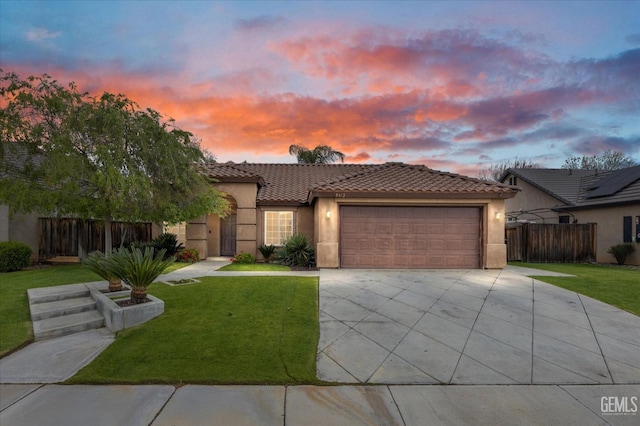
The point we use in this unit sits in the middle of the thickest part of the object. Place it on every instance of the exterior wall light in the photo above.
(328, 213)
(498, 215)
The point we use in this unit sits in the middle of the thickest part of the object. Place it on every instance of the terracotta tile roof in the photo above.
(408, 179)
(300, 183)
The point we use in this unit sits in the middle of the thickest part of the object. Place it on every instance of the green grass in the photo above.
(16, 329)
(224, 330)
(15, 322)
(254, 267)
(614, 285)
(175, 266)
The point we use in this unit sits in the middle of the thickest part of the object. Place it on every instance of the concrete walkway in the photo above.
(518, 351)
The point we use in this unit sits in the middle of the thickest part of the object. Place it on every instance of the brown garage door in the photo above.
(409, 237)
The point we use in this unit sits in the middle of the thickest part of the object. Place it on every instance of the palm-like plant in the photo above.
(97, 262)
(321, 154)
(138, 269)
(267, 251)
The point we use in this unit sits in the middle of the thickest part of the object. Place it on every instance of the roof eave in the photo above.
(237, 179)
(595, 205)
(410, 194)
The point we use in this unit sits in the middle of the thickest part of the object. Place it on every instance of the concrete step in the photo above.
(56, 308)
(51, 294)
(67, 324)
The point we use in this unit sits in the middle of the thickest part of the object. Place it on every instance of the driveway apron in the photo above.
(469, 327)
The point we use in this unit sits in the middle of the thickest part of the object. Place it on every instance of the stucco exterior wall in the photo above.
(327, 227)
(610, 229)
(203, 233)
(303, 223)
(22, 228)
(532, 198)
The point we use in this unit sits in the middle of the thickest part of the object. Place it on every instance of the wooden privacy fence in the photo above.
(67, 236)
(551, 242)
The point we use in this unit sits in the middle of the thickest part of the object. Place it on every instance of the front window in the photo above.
(278, 227)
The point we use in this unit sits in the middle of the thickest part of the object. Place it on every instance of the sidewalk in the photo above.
(160, 405)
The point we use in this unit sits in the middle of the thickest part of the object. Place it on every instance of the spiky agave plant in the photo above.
(138, 269)
(296, 251)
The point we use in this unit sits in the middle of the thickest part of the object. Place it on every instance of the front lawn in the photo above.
(617, 286)
(244, 267)
(224, 330)
(15, 321)
(16, 329)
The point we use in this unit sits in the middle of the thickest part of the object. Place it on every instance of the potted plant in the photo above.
(138, 269)
(97, 262)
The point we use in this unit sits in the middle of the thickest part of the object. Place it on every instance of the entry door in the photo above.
(228, 235)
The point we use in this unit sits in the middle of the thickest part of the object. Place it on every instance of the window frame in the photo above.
(627, 229)
(280, 240)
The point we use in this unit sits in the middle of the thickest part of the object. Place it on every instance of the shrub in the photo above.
(138, 269)
(142, 245)
(97, 262)
(621, 251)
(243, 258)
(14, 256)
(296, 251)
(267, 251)
(188, 256)
(168, 242)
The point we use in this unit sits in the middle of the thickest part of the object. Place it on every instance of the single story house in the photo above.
(391, 215)
(611, 199)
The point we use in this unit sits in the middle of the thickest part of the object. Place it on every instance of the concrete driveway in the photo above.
(469, 327)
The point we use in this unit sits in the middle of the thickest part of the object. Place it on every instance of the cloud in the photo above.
(633, 39)
(38, 35)
(595, 145)
(446, 97)
(261, 23)
(432, 59)
(361, 157)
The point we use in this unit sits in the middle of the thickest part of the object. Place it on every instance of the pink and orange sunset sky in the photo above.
(453, 85)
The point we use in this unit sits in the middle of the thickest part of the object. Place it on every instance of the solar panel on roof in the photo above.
(614, 182)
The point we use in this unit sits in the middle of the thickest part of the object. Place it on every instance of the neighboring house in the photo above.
(611, 199)
(391, 215)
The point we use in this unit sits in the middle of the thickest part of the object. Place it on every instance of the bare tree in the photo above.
(608, 160)
(494, 171)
